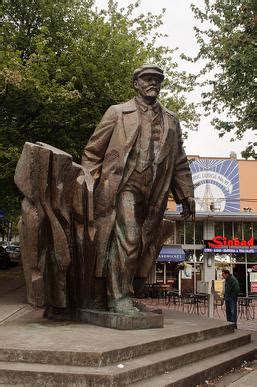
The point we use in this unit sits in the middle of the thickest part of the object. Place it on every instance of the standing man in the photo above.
(231, 293)
(136, 158)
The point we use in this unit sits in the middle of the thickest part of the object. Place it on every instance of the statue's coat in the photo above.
(105, 156)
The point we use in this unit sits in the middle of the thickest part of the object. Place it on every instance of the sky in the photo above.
(178, 25)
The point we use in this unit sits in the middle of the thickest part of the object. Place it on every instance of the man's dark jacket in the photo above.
(231, 287)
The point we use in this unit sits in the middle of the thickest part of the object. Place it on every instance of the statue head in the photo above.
(147, 81)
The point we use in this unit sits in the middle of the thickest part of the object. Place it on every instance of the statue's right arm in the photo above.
(95, 149)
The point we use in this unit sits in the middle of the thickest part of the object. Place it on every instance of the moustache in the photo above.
(152, 88)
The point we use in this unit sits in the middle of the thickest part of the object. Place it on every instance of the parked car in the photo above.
(14, 252)
(5, 261)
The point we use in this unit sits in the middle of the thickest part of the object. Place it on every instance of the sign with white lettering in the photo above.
(216, 185)
(229, 250)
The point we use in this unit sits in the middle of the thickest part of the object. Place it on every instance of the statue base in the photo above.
(141, 320)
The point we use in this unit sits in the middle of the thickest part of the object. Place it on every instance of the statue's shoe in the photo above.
(146, 309)
(124, 306)
(57, 314)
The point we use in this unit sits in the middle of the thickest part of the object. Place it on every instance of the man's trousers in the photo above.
(231, 309)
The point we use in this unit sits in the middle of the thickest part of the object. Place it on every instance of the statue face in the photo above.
(148, 86)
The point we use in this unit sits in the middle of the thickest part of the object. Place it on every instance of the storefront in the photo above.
(226, 208)
(166, 269)
(180, 261)
(234, 248)
(242, 262)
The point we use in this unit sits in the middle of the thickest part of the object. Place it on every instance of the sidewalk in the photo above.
(246, 376)
(12, 294)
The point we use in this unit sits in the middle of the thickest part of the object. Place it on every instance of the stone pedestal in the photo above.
(141, 320)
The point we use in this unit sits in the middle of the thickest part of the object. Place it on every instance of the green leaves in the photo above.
(64, 64)
(229, 46)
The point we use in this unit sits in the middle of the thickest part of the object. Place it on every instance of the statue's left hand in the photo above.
(188, 205)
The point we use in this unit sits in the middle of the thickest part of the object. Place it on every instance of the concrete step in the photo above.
(130, 371)
(76, 357)
(206, 369)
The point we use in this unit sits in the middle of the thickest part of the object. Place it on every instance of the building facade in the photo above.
(224, 234)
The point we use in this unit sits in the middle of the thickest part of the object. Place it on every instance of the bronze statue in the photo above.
(90, 233)
(56, 230)
(135, 157)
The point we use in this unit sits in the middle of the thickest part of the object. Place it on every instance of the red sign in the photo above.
(219, 241)
(253, 287)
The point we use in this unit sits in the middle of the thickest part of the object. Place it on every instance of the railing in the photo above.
(186, 302)
(246, 308)
(196, 303)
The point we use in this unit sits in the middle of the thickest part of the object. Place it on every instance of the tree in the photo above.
(228, 47)
(64, 63)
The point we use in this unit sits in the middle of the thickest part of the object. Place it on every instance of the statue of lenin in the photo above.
(136, 158)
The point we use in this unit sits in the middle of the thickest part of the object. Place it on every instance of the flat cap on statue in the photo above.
(148, 69)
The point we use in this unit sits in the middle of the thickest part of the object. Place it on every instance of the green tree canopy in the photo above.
(64, 63)
(229, 48)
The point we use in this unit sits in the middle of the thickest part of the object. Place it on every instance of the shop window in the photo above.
(199, 255)
(254, 230)
(198, 268)
(252, 279)
(180, 234)
(247, 228)
(218, 277)
(170, 240)
(238, 230)
(222, 261)
(189, 233)
(170, 232)
(240, 273)
(228, 232)
(189, 255)
(238, 257)
(233, 258)
(199, 271)
(160, 272)
(172, 274)
(218, 228)
(199, 232)
(252, 258)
